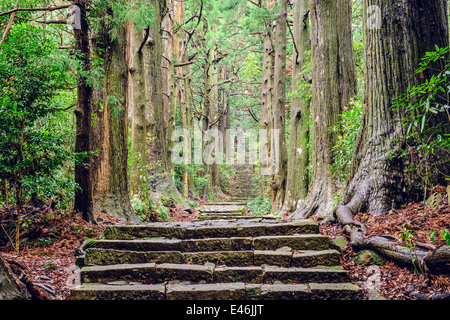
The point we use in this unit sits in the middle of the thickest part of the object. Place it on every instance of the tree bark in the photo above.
(11, 286)
(378, 178)
(83, 196)
(266, 106)
(110, 124)
(297, 174)
(149, 140)
(278, 185)
(332, 87)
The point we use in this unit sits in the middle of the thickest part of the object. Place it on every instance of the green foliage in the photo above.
(303, 89)
(260, 206)
(251, 68)
(407, 236)
(445, 234)
(227, 175)
(347, 131)
(33, 149)
(427, 110)
(148, 211)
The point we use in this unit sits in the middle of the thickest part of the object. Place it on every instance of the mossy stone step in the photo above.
(230, 218)
(148, 273)
(218, 291)
(230, 203)
(295, 242)
(210, 229)
(222, 209)
(305, 259)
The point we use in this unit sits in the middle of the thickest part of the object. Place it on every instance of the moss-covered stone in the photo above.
(367, 258)
(339, 243)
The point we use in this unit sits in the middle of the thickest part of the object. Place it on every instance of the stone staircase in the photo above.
(222, 255)
(247, 187)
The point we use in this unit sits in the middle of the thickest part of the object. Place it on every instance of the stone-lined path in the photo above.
(221, 255)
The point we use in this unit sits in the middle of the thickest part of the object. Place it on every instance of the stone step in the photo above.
(232, 218)
(218, 291)
(294, 242)
(237, 209)
(210, 229)
(150, 273)
(304, 259)
(230, 203)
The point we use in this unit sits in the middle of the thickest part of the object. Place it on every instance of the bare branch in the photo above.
(35, 9)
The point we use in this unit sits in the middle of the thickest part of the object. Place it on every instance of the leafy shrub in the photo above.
(260, 206)
(347, 130)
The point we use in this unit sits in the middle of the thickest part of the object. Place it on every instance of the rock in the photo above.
(49, 265)
(285, 249)
(339, 243)
(367, 257)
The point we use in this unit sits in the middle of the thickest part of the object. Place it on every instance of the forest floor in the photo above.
(48, 255)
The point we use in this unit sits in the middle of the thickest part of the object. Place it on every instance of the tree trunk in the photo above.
(297, 175)
(278, 185)
(378, 178)
(168, 25)
(110, 130)
(266, 109)
(332, 87)
(12, 286)
(210, 145)
(83, 196)
(139, 93)
(159, 177)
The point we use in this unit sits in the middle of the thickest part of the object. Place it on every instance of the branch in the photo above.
(184, 63)
(147, 33)
(256, 4)
(35, 9)
(293, 39)
(9, 26)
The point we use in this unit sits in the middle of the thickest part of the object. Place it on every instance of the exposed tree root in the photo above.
(422, 257)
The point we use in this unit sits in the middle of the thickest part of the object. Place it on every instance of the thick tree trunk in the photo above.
(278, 185)
(332, 87)
(139, 93)
(11, 286)
(159, 177)
(110, 129)
(378, 179)
(83, 196)
(297, 175)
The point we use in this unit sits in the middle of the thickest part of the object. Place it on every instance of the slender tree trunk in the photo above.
(171, 55)
(278, 185)
(217, 142)
(378, 178)
(297, 175)
(83, 196)
(332, 88)
(207, 112)
(266, 109)
(4, 191)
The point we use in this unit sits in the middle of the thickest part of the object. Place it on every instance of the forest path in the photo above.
(221, 255)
